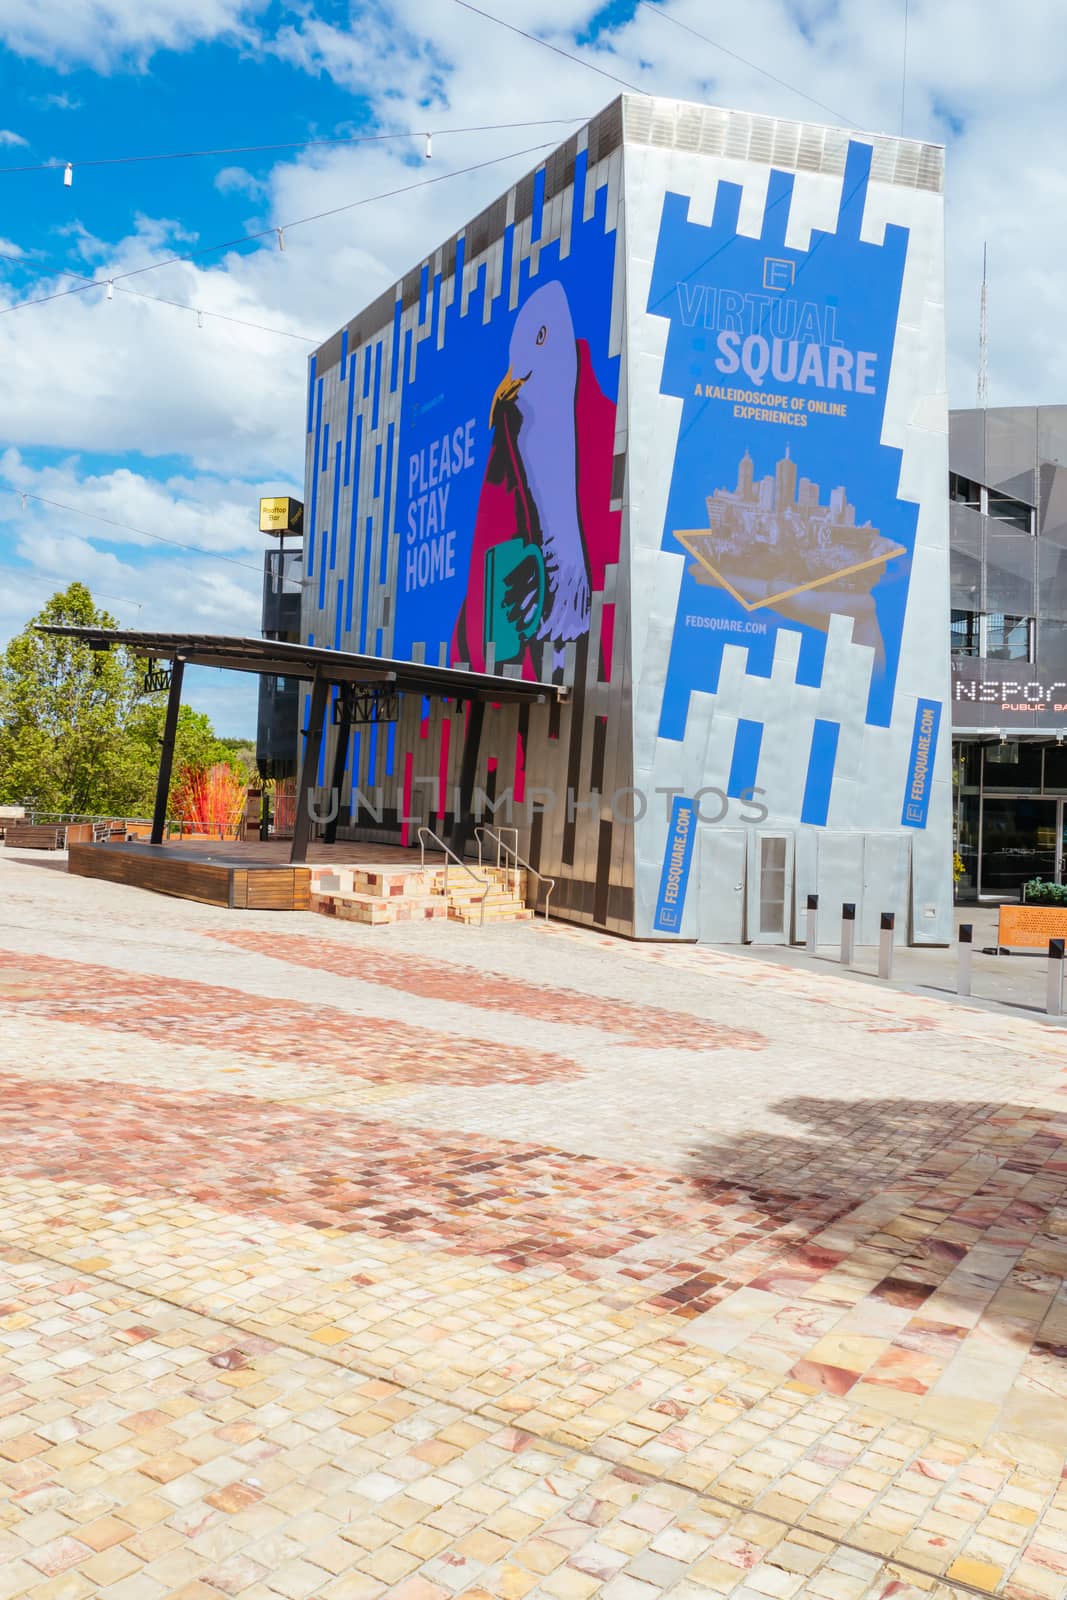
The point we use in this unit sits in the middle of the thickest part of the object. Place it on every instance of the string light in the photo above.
(158, 538)
(111, 288)
(68, 175)
(85, 282)
(281, 238)
(271, 232)
(294, 144)
(429, 146)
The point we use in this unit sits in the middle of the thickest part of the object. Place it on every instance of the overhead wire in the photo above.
(128, 527)
(87, 282)
(665, 16)
(292, 144)
(116, 278)
(555, 48)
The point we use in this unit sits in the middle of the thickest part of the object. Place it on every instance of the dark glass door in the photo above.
(1020, 840)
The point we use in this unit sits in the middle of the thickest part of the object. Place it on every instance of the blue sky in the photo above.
(131, 411)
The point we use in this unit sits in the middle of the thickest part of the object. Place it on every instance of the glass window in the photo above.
(772, 885)
(1003, 508)
(1008, 638)
(964, 491)
(968, 766)
(1013, 765)
(967, 846)
(1018, 842)
(1056, 768)
(965, 633)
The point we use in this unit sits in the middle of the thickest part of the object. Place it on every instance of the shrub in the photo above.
(1036, 892)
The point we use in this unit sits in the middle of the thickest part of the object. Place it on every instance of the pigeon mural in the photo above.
(544, 530)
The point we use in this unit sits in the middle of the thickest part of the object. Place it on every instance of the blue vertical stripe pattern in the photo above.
(321, 779)
(368, 530)
(390, 749)
(538, 206)
(745, 760)
(424, 284)
(344, 355)
(372, 755)
(348, 420)
(366, 372)
(325, 446)
(312, 367)
(314, 480)
(452, 311)
(383, 557)
(336, 503)
(352, 803)
(353, 539)
(394, 353)
(506, 264)
(377, 384)
(405, 366)
(581, 162)
(819, 782)
(340, 608)
(377, 470)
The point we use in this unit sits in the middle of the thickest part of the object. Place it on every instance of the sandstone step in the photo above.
(378, 910)
(512, 913)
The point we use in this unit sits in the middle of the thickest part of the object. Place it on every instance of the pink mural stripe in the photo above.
(607, 642)
(404, 828)
(442, 766)
(519, 786)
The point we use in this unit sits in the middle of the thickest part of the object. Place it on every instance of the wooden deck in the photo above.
(250, 876)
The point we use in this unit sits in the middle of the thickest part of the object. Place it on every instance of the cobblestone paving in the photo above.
(330, 1281)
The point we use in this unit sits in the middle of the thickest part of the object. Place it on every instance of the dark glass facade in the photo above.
(1008, 632)
(279, 698)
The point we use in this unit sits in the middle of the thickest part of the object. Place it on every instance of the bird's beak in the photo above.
(506, 389)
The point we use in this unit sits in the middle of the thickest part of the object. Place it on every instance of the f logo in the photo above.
(778, 274)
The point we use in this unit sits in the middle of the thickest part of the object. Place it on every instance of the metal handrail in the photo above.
(502, 844)
(498, 836)
(450, 855)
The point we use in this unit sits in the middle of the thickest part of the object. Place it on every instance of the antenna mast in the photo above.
(983, 339)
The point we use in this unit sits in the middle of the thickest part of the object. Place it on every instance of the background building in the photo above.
(524, 459)
(1008, 492)
(281, 519)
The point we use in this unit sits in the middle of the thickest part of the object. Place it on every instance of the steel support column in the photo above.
(344, 739)
(166, 754)
(309, 769)
(464, 821)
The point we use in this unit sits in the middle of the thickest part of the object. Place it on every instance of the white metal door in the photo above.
(770, 888)
(722, 885)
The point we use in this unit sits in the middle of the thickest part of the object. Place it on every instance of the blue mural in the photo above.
(503, 521)
(782, 498)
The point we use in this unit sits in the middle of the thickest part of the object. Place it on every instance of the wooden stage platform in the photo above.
(245, 876)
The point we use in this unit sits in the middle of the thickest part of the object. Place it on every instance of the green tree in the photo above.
(196, 745)
(64, 710)
(77, 734)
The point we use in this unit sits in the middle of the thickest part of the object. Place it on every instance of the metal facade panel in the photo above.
(722, 868)
(787, 461)
(422, 433)
(431, 479)
(886, 886)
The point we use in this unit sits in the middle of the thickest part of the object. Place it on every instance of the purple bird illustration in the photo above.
(542, 382)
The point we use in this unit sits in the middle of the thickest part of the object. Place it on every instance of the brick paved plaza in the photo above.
(431, 1261)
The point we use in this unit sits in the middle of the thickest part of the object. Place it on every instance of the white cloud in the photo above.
(111, 33)
(143, 583)
(236, 180)
(7, 137)
(130, 376)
